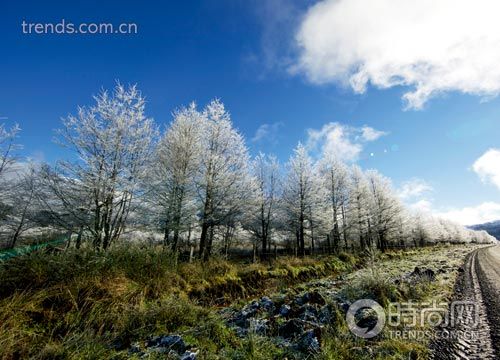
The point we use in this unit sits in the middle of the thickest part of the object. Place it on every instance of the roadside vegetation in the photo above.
(83, 304)
(87, 305)
(422, 277)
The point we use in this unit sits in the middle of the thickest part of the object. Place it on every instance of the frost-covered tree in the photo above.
(112, 142)
(385, 209)
(260, 222)
(223, 180)
(8, 158)
(319, 220)
(198, 182)
(8, 147)
(299, 193)
(358, 212)
(66, 203)
(21, 198)
(404, 231)
(335, 183)
(175, 167)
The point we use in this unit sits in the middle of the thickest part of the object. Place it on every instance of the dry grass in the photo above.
(377, 281)
(73, 305)
(87, 305)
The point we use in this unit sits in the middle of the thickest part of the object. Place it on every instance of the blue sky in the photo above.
(262, 59)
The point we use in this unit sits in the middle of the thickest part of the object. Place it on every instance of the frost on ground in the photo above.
(309, 319)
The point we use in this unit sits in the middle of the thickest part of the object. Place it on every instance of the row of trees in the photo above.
(196, 185)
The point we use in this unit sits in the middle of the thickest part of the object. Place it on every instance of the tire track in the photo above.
(470, 339)
(489, 276)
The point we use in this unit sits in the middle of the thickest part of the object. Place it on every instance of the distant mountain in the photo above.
(492, 228)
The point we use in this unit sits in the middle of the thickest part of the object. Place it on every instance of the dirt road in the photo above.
(477, 335)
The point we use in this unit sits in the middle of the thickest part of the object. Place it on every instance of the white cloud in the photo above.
(485, 212)
(370, 134)
(431, 46)
(469, 215)
(414, 188)
(346, 142)
(488, 167)
(415, 193)
(267, 132)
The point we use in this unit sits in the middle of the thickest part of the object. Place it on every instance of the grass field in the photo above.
(88, 305)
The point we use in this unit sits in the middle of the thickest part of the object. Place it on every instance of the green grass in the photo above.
(91, 305)
(80, 304)
(376, 281)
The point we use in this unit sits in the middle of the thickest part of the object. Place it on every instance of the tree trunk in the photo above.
(297, 243)
(203, 239)
(19, 228)
(312, 238)
(177, 220)
(68, 234)
(15, 237)
(264, 249)
(208, 247)
(336, 237)
(191, 253)
(383, 241)
(79, 238)
(205, 226)
(302, 247)
(344, 229)
(166, 232)
(175, 240)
